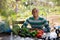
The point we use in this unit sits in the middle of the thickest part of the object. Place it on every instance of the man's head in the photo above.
(35, 12)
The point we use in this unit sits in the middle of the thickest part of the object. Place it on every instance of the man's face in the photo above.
(35, 13)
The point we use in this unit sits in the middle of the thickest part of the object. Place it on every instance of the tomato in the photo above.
(39, 33)
(42, 31)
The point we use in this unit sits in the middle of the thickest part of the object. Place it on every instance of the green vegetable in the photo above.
(33, 33)
(24, 31)
(16, 29)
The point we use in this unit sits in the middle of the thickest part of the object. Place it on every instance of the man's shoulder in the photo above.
(41, 18)
(30, 18)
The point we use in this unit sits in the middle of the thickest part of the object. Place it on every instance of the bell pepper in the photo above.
(39, 33)
(33, 33)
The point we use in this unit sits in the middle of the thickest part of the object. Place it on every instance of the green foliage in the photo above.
(7, 11)
(23, 0)
(57, 2)
(25, 32)
(33, 33)
(15, 29)
(4, 13)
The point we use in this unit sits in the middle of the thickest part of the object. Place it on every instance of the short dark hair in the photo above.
(34, 9)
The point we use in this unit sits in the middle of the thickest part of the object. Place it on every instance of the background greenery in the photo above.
(12, 10)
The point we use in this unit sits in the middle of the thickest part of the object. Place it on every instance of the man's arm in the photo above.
(25, 24)
(46, 24)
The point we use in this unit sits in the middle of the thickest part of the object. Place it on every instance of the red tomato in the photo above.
(39, 35)
(40, 31)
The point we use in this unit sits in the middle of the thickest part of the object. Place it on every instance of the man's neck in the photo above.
(36, 18)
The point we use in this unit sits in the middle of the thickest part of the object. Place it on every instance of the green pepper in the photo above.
(33, 33)
(21, 34)
(24, 31)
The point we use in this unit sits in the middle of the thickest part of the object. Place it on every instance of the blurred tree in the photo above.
(3, 7)
(6, 12)
(57, 2)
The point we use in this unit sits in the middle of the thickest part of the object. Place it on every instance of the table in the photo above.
(15, 37)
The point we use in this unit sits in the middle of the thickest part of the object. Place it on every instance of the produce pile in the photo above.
(26, 32)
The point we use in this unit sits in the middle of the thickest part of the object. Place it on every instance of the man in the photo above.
(37, 22)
